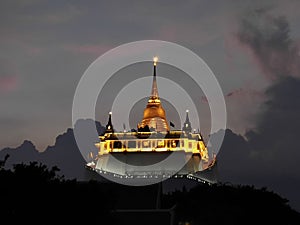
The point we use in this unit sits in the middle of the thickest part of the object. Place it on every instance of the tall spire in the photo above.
(154, 90)
(187, 124)
(154, 114)
(187, 119)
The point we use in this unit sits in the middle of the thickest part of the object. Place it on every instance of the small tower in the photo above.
(109, 126)
(187, 124)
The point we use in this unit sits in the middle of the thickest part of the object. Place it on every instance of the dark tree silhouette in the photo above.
(3, 162)
(33, 194)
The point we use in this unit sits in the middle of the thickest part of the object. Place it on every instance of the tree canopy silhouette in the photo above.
(34, 194)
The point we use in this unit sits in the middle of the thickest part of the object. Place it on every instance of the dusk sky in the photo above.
(252, 47)
(47, 45)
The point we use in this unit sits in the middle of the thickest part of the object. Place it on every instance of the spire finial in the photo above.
(155, 60)
(187, 120)
(154, 91)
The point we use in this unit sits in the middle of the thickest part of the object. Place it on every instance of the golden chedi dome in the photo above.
(154, 114)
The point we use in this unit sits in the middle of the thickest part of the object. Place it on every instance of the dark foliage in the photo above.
(33, 194)
(226, 204)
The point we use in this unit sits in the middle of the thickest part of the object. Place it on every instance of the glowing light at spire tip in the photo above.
(155, 59)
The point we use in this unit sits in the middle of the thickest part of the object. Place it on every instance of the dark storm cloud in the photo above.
(273, 147)
(269, 156)
(276, 137)
(268, 37)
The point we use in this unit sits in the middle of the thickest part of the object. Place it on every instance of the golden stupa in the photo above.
(154, 113)
(141, 153)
